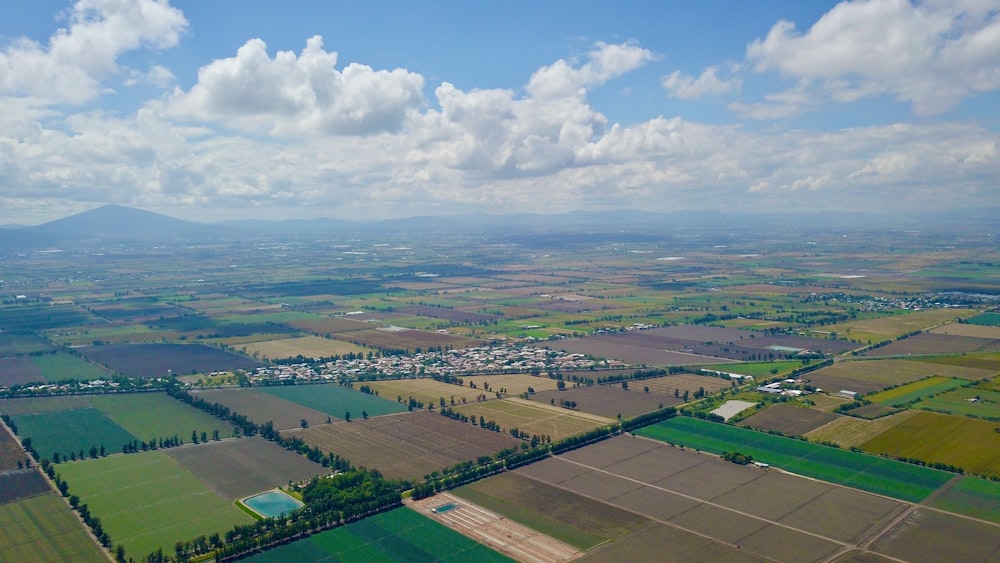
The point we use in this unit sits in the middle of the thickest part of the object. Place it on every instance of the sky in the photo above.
(253, 109)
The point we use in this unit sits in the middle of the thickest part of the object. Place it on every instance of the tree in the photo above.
(304, 423)
(364, 415)
(347, 416)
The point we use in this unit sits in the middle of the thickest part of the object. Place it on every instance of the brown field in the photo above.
(849, 431)
(407, 445)
(241, 467)
(867, 376)
(18, 484)
(682, 382)
(978, 361)
(884, 328)
(931, 343)
(408, 339)
(18, 370)
(534, 418)
(329, 325)
(767, 513)
(975, 331)
(931, 536)
(636, 355)
(431, 392)
(262, 407)
(445, 314)
(10, 450)
(654, 540)
(306, 346)
(610, 400)
(788, 419)
(156, 360)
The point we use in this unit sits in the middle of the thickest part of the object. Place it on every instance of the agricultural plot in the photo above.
(609, 401)
(70, 432)
(758, 370)
(262, 407)
(867, 376)
(147, 501)
(328, 326)
(973, 330)
(19, 370)
(883, 328)
(971, 444)
(450, 315)
(788, 419)
(848, 431)
(988, 361)
(985, 319)
(868, 473)
(534, 418)
(558, 513)
(430, 391)
(305, 346)
(18, 484)
(43, 528)
(971, 496)
(10, 450)
(25, 318)
(334, 400)
(238, 468)
(22, 344)
(406, 446)
(970, 401)
(931, 343)
(157, 360)
(157, 415)
(915, 391)
(37, 405)
(654, 540)
(930, 536)
(405, 339)
(676, 385)
(60, 366)
(398, 535)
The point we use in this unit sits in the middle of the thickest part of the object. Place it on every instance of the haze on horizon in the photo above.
(211, 111)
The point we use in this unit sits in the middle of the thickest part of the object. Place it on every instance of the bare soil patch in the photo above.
(409, 339)
(17, 484)
(610, 400)
(975, 331)
(262, 407)
(788, 419)
(653, 541)
(932, 343)
(930, 536)
(156, 360)
(18, 370)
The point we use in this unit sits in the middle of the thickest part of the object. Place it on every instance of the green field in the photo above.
(335, 400)
(916, 390)
(973, 445)
(964, 402)
(15, 343)
(66, 432)
(157, 415)
(398, 535)
(972, 496)
(986, 319)
(60, 366)
(43, 528)
(147, 501)
(843, 467)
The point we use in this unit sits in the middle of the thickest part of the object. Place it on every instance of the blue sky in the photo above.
(225, 109)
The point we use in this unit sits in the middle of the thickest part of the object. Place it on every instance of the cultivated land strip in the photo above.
(563, 411)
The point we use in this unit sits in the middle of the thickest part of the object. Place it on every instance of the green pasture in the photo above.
(15, 343)
(43, 528)
(398, 535)
(157, 415)
(985, 319)
(61, 365)
(969, 401)
(972, 496)
(843, 467)
(335, 400)
(148, 501)
(916, 390)
(69, 431)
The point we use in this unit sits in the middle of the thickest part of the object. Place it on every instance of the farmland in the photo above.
(66, 433)
(147, 501)
(868, 376)
(934, 343)
(408, 445)
(430, 391)
(931, 536)
(916, 390)
(305, 346)
(865, 472)
(884, 328)
(789, 420)
(334, 400)
(10, 450)
(533, 418)
(156, 415)
(398, 535)
(156, 360)
(263, 407)
(609, 401)
(971, 444)
(970, 401)
(18, 371)
(42, 528)
(22, 344)
(17, 484)
(848, 431)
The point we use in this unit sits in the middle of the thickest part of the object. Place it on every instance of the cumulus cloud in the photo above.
(931, 55)
(687, 87)
(291, 94)
(71, 67)
(604, 62)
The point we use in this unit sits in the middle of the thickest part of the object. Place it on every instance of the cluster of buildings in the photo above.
(466, 361)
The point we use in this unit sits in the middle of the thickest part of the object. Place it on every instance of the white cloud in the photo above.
(931, 55)
(291, 94)
(605, 62)
(72, 66)
(688, 87)
(157, 75)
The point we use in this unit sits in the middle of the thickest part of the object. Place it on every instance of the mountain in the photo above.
(115, 222)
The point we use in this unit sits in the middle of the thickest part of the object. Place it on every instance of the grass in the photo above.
(916, 390)
(43, 528)
(335, 400)
(398, 535)
(60, 366)
(157, 415)
(66, 432)
(861, 471)
(971, 444)
(972, 496)
(147, 501)
(960, 402)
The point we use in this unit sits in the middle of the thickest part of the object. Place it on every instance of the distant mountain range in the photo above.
(118, 223)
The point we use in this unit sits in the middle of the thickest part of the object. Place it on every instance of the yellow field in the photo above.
(976, 331)
(533, 418)
(307, 346)
(971, 444)
(890, 394)
(848, 431)
(430, 391)
(884, 328)
(824, 402)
